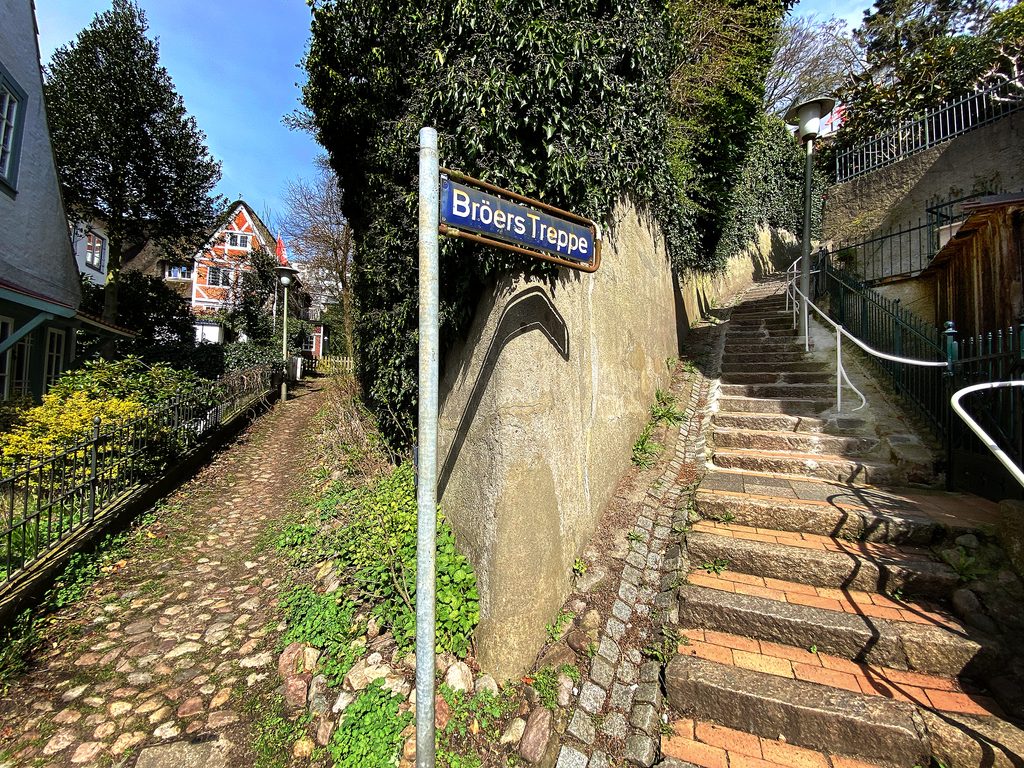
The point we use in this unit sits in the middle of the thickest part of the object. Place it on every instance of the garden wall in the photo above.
(540, 407)
(897, 195)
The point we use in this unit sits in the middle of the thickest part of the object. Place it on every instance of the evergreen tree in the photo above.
(127, 151)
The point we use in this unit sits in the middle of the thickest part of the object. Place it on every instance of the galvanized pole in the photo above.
(426, 433)
(284, 344)
(805, 255)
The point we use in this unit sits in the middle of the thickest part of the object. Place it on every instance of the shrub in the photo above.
(325, 622)
(248, 354)
(379, 545)
(128, 379)
(370, 733)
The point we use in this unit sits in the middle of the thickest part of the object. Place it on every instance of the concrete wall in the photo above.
(991, 157)
(540, 407)
(35, 250)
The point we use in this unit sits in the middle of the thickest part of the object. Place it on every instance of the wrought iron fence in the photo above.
(906, 250)
(935, 126)
(988, 357)
(47, 499)
(883, 324)
(996, 356)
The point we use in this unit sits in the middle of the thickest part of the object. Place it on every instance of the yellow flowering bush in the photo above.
(61, 421)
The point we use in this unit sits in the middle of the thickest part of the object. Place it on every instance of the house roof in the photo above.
(979, 213)
(98, 324)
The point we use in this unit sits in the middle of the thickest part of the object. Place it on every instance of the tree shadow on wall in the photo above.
(529, 310)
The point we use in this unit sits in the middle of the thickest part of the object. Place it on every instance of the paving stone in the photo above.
(615, 629)
(609, 649)
(622, 697)
(582, 727)
(640, 750)
(570, 757)
(87, 752)
(602, 671)
(614, 726)
(628, 672)
(645, 717)
(591, 698)
(621, 611)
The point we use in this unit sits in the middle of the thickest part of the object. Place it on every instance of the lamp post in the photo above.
(806, 116)
(285, 275)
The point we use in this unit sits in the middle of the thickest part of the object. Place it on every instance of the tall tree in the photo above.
(321, 239)
(918, 53)
(812, 58)
(127, 151)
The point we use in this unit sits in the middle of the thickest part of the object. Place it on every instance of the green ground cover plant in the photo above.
(369, 734)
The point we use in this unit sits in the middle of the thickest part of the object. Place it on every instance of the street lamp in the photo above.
(806, 116)
(285, 275)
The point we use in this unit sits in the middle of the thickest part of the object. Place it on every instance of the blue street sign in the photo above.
(503, 222)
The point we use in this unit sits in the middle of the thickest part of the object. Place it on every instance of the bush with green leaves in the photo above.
(324, 621)
(378, 545)
(370, 732)
(129, 378)
(240, 355)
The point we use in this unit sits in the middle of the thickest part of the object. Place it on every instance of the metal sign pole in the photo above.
(805, 252)
(426, 487)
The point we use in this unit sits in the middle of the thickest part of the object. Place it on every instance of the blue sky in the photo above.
(234, 64)
(850, 10)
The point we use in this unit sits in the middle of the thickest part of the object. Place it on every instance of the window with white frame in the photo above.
(219, 276)
(12, 107)
(54, 355)
(236, 240)
(175, 272)
(95, 250)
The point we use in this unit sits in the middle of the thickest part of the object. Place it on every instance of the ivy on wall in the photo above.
(567, 101)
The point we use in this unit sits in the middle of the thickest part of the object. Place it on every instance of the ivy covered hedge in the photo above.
(568, 101)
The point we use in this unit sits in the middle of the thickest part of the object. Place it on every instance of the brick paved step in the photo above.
(821, 561)
(791, 406)
(800, 713)
(710, 745)
(829, 518)
(777, 377)
(808, 443)
(794, 391)
(780, 422)
(823, 717)
(770, 365)
(935, 692)
(823, 466)
(865, 627)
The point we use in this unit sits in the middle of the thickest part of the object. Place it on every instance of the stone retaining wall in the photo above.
(540, 407)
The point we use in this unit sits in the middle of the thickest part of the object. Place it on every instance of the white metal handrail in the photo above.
(794, 294)
(976, 428)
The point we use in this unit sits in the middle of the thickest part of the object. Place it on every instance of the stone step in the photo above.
(820, 561)
(740, 324)
(754, 359)
(777, 377)
(807, 443)
(791, 406)
(780, 422)
(771, 365)
(826, 467)
(916, 637)
(763, 347)
(796, 391)
(795, 711)
(820, 716)
(830, 518)
(743, 333)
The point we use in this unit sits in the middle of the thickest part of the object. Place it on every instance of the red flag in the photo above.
(282, 259)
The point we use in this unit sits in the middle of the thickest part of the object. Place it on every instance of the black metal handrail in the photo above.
(45, 500)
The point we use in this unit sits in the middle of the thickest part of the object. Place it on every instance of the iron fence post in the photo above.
(949, 422)
(93, 462)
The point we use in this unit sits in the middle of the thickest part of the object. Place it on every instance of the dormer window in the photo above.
(175, 272)
(12, 101)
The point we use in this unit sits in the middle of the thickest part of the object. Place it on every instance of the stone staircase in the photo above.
(814, 620)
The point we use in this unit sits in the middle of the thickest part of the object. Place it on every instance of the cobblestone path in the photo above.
(170, 656)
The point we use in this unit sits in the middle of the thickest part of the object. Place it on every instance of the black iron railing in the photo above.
(46, 500)
(946, 121)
